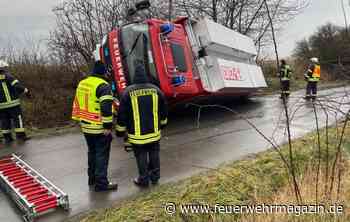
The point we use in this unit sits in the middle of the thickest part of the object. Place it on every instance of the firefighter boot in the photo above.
(21, 136)
(8, 138)
(109, 187)
(142, 184)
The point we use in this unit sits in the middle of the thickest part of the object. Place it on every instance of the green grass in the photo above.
(262, 179)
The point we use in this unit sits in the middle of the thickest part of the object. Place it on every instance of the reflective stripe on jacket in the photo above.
(10, 89)
(285, 72)
(142, 114)
(314, 73)
(87, 106)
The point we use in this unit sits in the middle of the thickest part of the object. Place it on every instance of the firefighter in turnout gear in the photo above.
(92, 108)
(141, 115)
(10, 105)
(285, 75)
(312, 76)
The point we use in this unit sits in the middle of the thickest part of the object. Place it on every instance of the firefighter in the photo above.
(141, 116)
(10, 106)
(312, 76)
(93, 109)
(285, 75)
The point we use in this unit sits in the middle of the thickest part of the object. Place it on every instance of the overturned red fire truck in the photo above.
(185, 58)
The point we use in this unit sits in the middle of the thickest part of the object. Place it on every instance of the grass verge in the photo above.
(262, 179)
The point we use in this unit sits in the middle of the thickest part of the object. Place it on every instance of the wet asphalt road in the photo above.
(185, 149)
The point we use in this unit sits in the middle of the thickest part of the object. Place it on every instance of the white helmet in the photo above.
(3, 64)
(314, 60)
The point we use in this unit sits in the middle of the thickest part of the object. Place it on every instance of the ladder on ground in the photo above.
(33, 193)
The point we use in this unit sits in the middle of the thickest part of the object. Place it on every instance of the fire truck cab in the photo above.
(184, 58)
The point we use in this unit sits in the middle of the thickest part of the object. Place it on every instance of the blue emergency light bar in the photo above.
(167, 28)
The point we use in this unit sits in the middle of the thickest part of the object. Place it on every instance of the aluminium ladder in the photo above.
(32, 192)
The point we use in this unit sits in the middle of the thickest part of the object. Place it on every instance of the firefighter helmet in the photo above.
(3, 64)
(314, 60)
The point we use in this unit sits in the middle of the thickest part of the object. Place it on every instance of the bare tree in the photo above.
(80, 24)
(170, 9)
(345, 16)
(248, 17)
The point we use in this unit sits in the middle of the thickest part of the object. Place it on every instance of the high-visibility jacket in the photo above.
(285, 72)
(313, 73)
(142, 114)
(92, 105)
(10, 90)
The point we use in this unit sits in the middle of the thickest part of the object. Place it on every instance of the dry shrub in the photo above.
(338, 195)
(52, 87)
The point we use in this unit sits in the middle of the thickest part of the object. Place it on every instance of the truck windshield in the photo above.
(129, 35)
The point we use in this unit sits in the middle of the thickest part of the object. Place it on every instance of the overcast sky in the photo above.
(33, 19)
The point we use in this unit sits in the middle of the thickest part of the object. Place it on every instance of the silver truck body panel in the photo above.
(229, 60)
